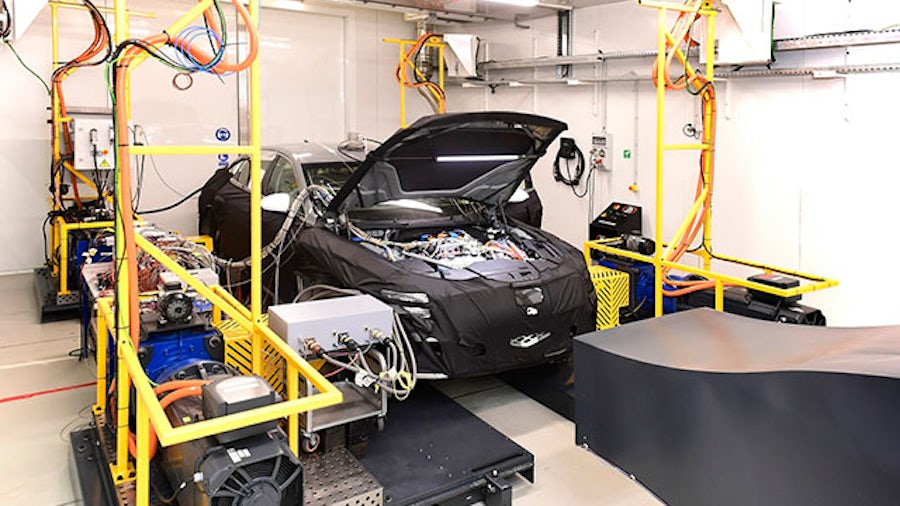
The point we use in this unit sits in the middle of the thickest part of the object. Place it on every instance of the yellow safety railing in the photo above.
(60, 242)
(149, 411)
(810, 283)
(59, 228)
(405, 60)
(148, 403)
(662, 252)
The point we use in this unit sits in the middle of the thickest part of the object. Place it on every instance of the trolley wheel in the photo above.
(310, 443)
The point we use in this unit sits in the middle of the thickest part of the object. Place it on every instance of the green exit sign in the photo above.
(627, 154)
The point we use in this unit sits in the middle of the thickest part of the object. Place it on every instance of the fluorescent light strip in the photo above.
(477, 158)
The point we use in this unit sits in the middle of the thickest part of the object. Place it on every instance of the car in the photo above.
(420, 223)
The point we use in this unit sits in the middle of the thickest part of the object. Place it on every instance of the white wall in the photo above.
(807, 170)
(325, 71)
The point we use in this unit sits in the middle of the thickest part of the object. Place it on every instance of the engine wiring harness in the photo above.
(455, 249)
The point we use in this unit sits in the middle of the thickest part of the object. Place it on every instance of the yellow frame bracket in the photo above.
(660, 256)
(404, 60)
(130, 371)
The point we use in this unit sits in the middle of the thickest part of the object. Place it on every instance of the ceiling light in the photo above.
(477, 158)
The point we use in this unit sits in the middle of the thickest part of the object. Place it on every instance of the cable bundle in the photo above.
(102, 41)
(124, 56)
(417, 80)
(698, 85)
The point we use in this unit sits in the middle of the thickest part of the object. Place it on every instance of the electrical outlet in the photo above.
(601, 152)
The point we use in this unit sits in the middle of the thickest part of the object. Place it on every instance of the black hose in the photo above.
(171, 206)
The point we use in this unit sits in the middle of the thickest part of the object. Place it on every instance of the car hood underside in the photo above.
(480, 157)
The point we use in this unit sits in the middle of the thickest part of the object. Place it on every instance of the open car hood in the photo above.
(477, 156)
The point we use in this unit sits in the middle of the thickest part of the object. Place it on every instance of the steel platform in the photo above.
(432, 452)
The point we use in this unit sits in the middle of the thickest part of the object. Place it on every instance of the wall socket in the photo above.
(601, 152)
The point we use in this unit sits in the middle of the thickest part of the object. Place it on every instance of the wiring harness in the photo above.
(191, 57)
(455, 249)
(397, 370)
(697, 85)
(418, 81)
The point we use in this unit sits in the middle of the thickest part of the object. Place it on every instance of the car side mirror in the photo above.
(276, 202)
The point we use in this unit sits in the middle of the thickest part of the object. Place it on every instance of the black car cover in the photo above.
(477, 325)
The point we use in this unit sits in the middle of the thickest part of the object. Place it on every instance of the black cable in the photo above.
(171, 206)
(44, 237)
(569, 179)
(587, 185)
(7, 25)
(342, 150)
(29, 69)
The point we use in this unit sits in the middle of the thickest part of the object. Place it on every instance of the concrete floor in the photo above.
(34, 436)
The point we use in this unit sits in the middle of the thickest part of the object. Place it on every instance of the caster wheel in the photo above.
(309, 444)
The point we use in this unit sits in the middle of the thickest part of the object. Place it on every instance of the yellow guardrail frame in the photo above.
(404, 60)
(130, 372)
(658, 259)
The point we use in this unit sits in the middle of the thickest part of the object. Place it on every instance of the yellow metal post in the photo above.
(64, 258)
(660, 154)
(293, 392)
(402, 87)
(190, 150)
(720, 296)
(707, 129)
(102, 339)
(255, 198)
(142, 460)
(441, 66)
(55, 135)
(123, 396)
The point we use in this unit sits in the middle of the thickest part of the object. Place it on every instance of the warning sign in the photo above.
(104, 164)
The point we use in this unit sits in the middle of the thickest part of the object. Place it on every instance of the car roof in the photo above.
(312, 152)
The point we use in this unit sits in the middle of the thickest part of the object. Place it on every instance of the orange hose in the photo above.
(177, 384)
(681, 33)
(124, 160)
(412, 83)
(165, 402)
(224, 66)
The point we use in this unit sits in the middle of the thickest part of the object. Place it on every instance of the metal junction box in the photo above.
(360, 317)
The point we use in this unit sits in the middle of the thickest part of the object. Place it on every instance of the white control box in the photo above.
(362, 318)
(94, 143)
(601, 152)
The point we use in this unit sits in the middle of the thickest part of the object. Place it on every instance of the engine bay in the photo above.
(450, 249)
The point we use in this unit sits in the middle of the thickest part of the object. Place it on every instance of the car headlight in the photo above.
(421, 312)
(407, 297)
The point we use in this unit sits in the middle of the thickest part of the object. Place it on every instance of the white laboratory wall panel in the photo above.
(805, 166)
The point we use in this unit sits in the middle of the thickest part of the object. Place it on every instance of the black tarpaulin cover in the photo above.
(473, 320)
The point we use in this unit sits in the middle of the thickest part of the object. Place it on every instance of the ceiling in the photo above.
(483, 10)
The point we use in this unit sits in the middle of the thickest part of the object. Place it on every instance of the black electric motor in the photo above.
(252, 466)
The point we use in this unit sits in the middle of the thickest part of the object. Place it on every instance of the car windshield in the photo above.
(330, 174)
